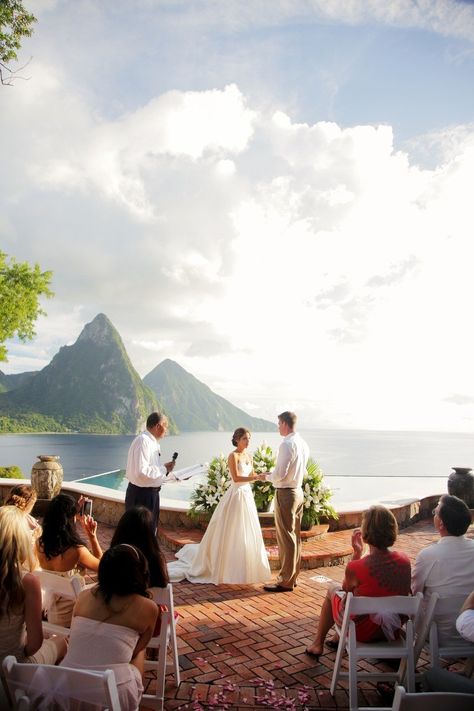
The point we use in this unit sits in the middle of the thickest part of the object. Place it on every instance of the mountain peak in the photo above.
(90, 386)
(193, 405)
(100, 330)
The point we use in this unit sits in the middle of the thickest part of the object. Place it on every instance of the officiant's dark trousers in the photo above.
(288, 513)
(148, 496)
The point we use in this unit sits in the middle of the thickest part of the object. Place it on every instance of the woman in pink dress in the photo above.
(113, 623)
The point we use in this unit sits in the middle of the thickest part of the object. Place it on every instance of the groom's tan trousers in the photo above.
(288, 513)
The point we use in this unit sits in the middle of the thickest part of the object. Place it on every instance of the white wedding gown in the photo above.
(232, 550)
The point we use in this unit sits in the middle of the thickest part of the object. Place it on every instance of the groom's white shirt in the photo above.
(291, 463)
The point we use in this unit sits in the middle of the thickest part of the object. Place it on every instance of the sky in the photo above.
(276, 194)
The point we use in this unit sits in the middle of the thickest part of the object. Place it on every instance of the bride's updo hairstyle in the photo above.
(238, 434)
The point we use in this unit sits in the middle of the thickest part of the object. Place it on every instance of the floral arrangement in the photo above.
(263, 491)
(206, 496)
(316, 497)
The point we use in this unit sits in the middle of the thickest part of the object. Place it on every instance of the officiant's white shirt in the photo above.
(291, 463)
(143, 461)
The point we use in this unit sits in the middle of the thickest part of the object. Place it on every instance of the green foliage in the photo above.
(316, 496)
(21, 286)
(263, 492)
(15, 23)
(205, 497)
(30, 422)
(193, 405)
(12, 472)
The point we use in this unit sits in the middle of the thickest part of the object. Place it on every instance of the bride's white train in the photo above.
(232, 549)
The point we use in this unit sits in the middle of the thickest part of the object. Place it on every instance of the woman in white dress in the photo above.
(232, 549)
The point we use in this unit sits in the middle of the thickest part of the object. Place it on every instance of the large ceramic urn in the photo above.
(461, 484)
(47, 476)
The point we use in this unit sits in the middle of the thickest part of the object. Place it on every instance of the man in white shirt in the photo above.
(447, 567)
(144, 472)
(437, 679)
(287, 478)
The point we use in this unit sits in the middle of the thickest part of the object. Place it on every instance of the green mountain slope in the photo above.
(194, 406)
(16, 380)
(90, 386)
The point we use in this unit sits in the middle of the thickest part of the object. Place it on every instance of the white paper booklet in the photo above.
(188, 472)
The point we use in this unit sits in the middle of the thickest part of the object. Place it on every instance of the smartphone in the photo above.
(87, 508)
(175, 456)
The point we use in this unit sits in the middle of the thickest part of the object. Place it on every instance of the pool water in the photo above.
(116, 480)
(349, 493)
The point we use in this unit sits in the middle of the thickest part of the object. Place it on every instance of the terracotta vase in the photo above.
(461, 484)
(47, 476)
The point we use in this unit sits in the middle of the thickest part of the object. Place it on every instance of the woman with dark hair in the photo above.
(61, 551)
(381, 573)
(113, 622)
(136, 528)
(232, 549)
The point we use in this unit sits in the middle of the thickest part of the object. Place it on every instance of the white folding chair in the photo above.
(52, 584)
(42, 686)
(443, 640)
(167, 636)
(434, 701)
(402, 648)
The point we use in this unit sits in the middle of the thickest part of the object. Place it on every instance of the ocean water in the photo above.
(361, 466)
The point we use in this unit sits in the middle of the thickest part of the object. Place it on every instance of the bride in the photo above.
(232, 549)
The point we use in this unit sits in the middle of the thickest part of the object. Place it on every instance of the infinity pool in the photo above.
(349, 492)
(116, 480)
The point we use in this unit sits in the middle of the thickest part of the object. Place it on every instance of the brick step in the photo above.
(332, 548)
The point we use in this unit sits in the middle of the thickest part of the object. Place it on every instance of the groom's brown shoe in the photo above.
(276, 588)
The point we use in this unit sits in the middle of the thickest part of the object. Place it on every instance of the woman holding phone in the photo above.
(61, 551)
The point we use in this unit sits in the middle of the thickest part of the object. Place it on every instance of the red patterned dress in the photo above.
(378, 574)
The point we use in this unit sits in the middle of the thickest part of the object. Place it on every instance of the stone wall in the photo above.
(108, 506)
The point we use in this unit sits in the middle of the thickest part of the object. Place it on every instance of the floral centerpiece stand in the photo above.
(206, 496)
(263, 491)
(316, 499)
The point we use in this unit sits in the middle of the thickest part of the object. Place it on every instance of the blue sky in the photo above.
(213, 175)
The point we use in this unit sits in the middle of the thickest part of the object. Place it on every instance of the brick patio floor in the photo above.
(238, 644)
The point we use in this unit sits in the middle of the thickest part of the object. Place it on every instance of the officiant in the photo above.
(144, 471)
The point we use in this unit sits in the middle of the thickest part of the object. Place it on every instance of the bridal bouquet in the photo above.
(205, 497)
(316, 497)
(263, 491)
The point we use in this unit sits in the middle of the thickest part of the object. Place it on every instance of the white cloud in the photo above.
(280, 261)
(446, 17)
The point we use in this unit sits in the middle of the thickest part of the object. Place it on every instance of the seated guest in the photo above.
(379, 574)
(465, 621)
(21, 629)
(136, 527)
(61, 551)
(113, 622)
(447, 566)
(23, 496)
(438, 679)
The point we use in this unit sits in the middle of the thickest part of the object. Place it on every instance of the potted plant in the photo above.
(205, 497)
(263, 491)
(316, 497)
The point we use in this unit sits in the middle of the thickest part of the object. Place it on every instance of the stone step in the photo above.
(318, 550)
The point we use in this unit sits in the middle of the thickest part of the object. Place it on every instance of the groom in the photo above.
(287, 478)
